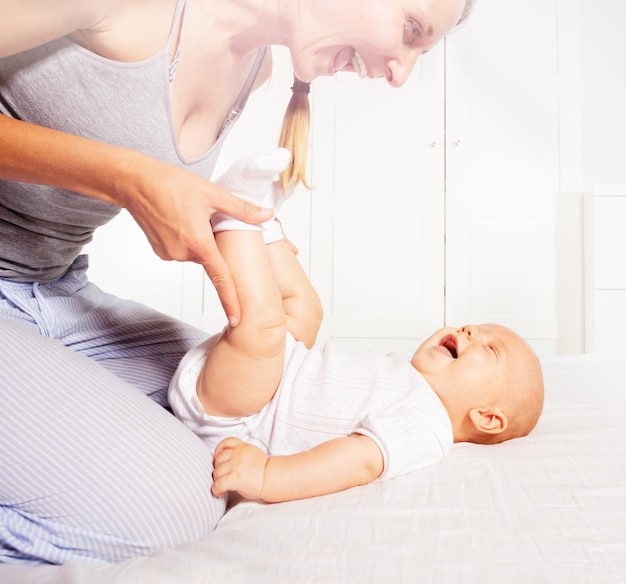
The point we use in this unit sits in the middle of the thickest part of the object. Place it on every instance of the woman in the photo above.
(125, 104)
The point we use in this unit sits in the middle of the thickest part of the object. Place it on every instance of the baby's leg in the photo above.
(243, 370)
(253, 179)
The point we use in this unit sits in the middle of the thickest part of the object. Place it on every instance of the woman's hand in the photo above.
(173, 207)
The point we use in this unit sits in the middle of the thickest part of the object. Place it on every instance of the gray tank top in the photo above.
(62, 85)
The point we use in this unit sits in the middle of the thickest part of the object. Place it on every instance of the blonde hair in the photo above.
(294, 134)
(469, 6)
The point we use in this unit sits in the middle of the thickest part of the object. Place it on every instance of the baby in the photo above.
(289, 419)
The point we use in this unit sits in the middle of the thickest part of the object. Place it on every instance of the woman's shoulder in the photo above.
(127, 30)
(39, 21)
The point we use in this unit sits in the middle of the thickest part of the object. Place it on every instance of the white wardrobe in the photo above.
(449, 201)
(455, 199)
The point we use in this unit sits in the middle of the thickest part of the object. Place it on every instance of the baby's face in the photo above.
(472, 366)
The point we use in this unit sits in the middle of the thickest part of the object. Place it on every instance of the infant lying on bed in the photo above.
(288, 419)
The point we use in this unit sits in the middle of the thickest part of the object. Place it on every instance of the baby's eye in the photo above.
(493, 350)
(412, 32)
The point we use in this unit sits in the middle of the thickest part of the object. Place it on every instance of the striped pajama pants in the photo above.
(91, 465)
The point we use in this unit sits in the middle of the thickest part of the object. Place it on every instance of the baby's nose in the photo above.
(469, 330)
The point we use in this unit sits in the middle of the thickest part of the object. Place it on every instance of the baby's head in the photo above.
(488, 378)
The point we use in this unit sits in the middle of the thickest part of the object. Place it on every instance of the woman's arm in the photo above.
(30, 23)
(172, 206)
(329, 467)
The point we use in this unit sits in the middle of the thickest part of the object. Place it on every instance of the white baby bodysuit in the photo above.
(326, 394)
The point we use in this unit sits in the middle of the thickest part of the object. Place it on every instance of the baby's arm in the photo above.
(327, 468)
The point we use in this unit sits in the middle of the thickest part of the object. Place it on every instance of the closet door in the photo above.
(503, 164)
(377, 213)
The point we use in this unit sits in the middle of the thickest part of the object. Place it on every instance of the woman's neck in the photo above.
(247, 25)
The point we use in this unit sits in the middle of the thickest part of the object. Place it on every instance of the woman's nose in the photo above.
(398, 70)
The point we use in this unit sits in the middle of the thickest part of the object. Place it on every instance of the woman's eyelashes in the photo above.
(412, 32)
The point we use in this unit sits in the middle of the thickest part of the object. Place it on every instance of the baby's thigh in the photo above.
(91, 467)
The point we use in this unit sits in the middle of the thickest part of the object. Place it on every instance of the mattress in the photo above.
(550, 508)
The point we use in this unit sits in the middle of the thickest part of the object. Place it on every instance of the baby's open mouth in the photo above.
(449, 343)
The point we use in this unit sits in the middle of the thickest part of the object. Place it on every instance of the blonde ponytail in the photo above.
(294, 135)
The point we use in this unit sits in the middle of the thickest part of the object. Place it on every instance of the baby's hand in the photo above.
(240, 467)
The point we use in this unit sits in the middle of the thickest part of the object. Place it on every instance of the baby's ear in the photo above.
(488, 420)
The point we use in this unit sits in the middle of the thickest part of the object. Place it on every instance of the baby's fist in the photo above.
(240, 467)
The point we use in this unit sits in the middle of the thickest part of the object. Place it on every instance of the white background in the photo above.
(498, 136)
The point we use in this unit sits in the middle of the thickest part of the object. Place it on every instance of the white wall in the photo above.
(603, 74)
(592, 71)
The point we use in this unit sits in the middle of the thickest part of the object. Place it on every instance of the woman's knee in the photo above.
(101, 470)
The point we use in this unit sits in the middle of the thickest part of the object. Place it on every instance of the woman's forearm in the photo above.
(34, 154)
(173, 206)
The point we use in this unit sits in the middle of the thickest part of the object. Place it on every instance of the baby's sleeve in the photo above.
(408, 440)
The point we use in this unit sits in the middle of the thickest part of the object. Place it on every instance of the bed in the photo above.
(547, 508)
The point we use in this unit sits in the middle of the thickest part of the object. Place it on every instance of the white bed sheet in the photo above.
(548, 508)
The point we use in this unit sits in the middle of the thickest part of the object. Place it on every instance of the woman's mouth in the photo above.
(350, 57)
(359, 65)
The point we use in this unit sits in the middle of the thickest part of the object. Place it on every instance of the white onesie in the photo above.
(326, 394)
